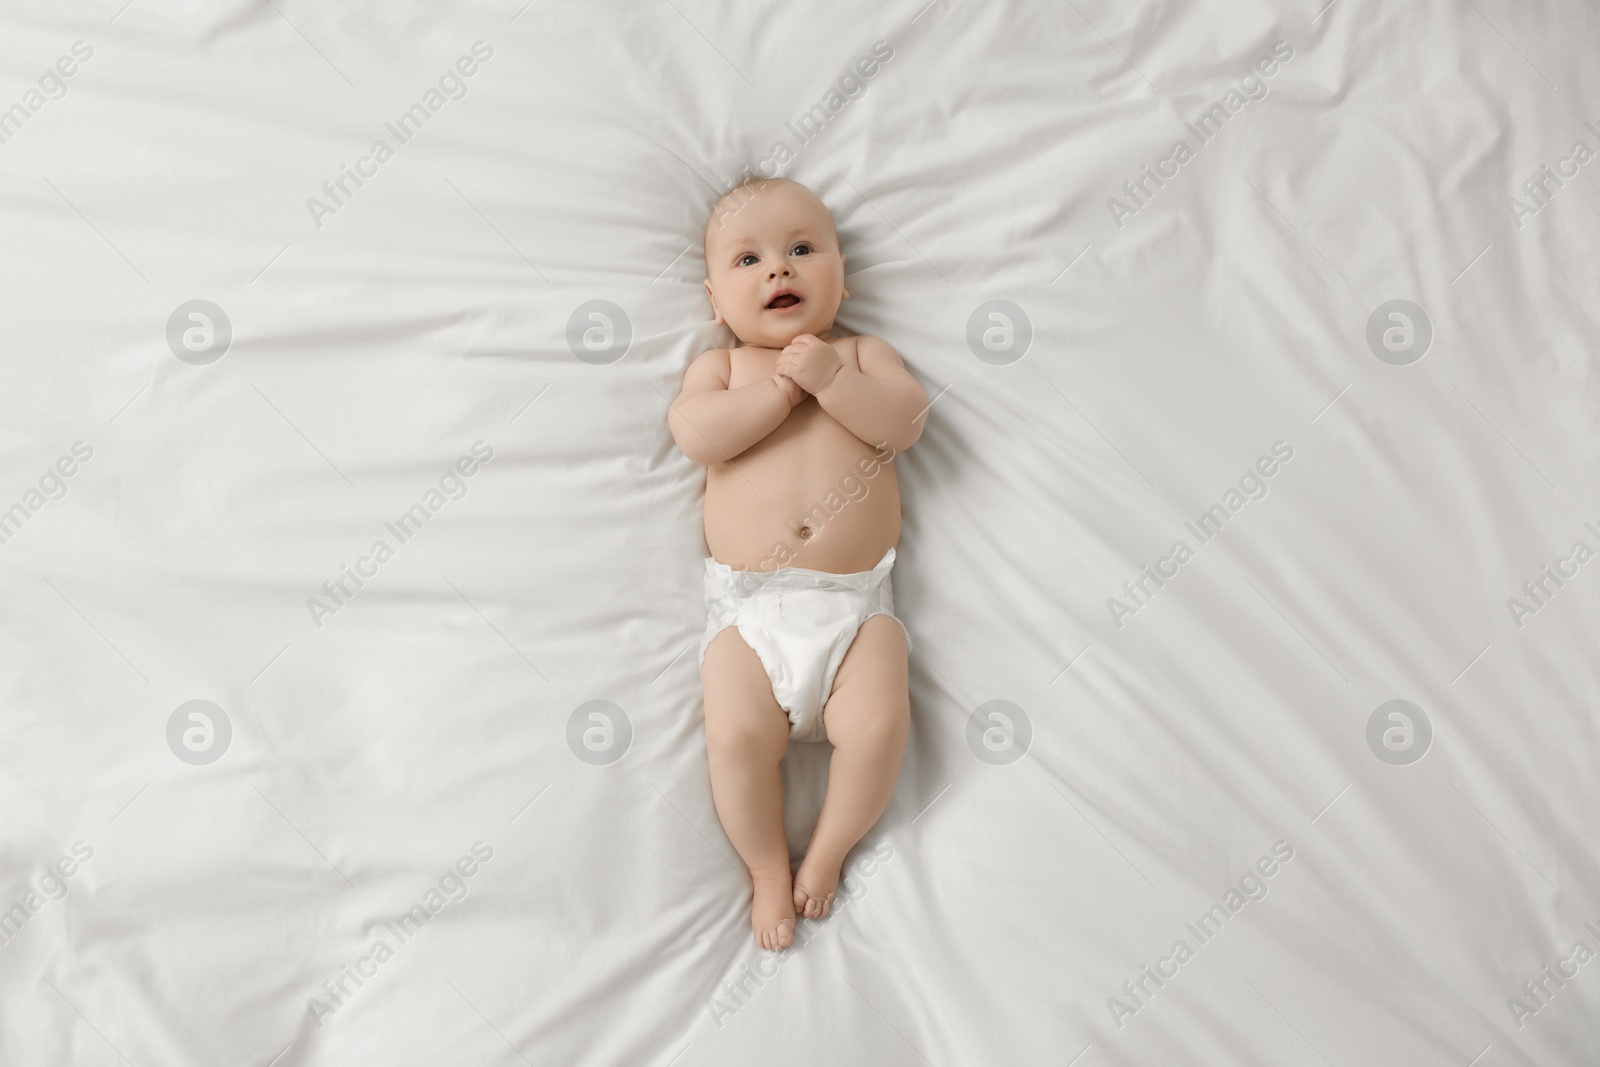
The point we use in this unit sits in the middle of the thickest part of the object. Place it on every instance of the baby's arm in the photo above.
(881, 403)
(712, 423)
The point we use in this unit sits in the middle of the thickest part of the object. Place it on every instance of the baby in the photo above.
(797, 429)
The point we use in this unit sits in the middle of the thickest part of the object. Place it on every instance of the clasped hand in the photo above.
(808, 363)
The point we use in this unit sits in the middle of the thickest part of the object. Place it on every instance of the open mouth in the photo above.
(783, 299)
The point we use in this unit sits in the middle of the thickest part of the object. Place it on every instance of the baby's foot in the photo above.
(814, 885)
(772, 909)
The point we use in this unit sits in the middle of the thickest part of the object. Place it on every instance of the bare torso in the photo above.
(802, 496)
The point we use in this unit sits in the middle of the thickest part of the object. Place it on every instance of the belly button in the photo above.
(805, 532)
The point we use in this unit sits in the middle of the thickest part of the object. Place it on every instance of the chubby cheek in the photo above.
(751, 295)
(734, 298)
(825, 277)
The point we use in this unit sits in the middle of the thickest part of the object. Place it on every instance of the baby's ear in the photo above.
(713, 298)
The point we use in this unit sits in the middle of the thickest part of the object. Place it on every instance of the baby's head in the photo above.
(773, 265)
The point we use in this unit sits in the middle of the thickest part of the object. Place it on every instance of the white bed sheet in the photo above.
(1017, 890)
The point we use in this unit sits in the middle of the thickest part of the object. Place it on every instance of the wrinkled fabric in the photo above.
(1110, 737)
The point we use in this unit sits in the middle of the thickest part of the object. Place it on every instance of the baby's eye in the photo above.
(748, 259)
(801, 249)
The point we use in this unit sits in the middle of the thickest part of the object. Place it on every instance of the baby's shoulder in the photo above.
(709, 370)
(861, 340)
(713, 359)
(863, 345)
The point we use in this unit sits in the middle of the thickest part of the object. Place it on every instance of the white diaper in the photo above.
(800, 624)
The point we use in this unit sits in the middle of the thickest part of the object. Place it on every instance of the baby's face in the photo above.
(773, 265)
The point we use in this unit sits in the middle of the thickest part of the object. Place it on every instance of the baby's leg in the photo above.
(746, 734)
(866, 716)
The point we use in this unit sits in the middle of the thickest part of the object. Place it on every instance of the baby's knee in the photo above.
(746, 738)
(873, 724)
